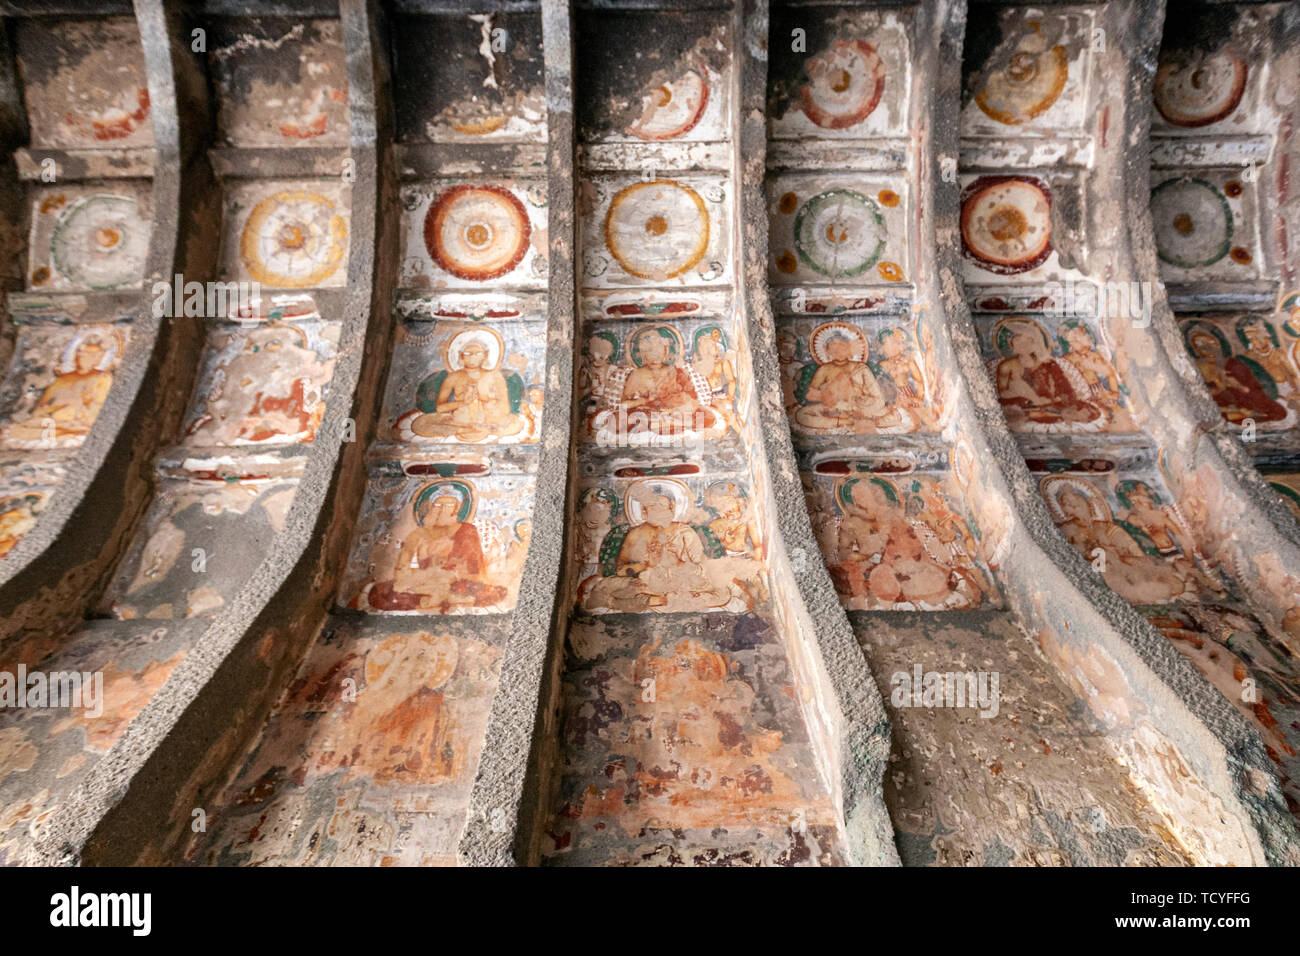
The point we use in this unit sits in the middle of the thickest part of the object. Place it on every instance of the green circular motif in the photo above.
(1193, 223)
(839, 233)
(99, 242)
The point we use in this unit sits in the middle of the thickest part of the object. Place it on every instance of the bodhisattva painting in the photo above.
(665, 547)
(449, 546)
(58, 380)
(467, 382)
(1250, 367)
(263, 385)
(1064, 383)
(895, 543)
(1145, 552)
(642, 387)
(843, 378)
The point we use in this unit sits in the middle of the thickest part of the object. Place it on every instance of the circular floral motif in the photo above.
(1006, 223)
(100, 242)
(1197, 89)
(477, 232)
(657, 230)
(1193, 222)
(845, 84)
(1027, 85)
(293, 239)
(839, 233)
(673, 109)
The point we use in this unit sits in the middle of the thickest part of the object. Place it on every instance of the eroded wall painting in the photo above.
(279, 82)
(287, 235)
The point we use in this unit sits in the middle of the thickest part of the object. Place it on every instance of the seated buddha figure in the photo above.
(657, 397)
(1037, 391)
(69, 405)
(471, 400)
(440, 564)
(843, 393)
(660, 561)
(1240, 391)
(881, 557)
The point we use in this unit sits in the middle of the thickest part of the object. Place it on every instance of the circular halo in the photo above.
(477, 232)
(1006, 223)
(1198, 89)
(844, 489)
(1052, 487)
(668, 487)
(1026, 85)
(293, 239)
(674, 346)
(1193, 222)
(673, 109)
(109, 339)
(845, 84)
(839, 233)
(827, 331)
(463, 491)
(100, 242)
(657, 230)
(489, 339)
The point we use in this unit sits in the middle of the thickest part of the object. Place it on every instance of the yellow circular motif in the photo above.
(293, 239)
(657, 230)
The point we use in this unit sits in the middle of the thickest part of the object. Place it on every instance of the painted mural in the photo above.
(850, 79)
(682, 743)
(368, 758)
(670, 545)
(892, 539)
(468, 234)
(287, 235)
(672, 232)
(834, 229)
(27, 482)
(452, 545)
(88, 238)
(466, 382)
(58, 380)
(863, 375)
(649, 384)
(279, 82)
(1251, 365)
(1054, 374)
(262, 384)
(84, 83)
(47, 751)
(1206, 225)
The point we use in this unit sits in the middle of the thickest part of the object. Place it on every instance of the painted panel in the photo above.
(262, 384)
(1010, 229)
(287, 234)
(657, 384)
(679, 91)
(896, 538)
(837, 229)
(1054, 373)
(1251, 365)
(845, 75)
(466, 234)
(1026, 72)
(203, 537)
(666, 544)
(58, 380)
(1206, 225)
(89, 238)
(279, 81)
(682, 743)
(442, 545)
(368, 759)
(657, 232)
(26, 486)
(84, 83)
(484, 84)
(855, 375)
(455, 382)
